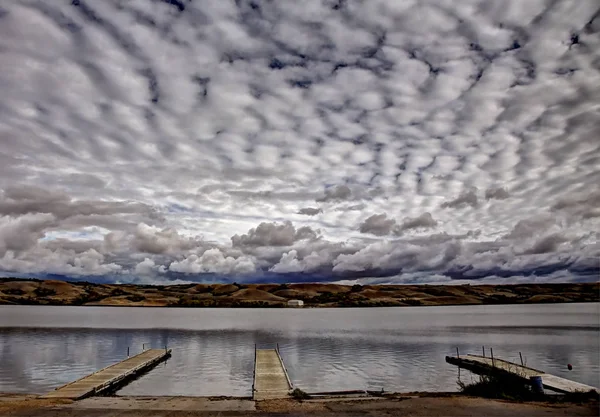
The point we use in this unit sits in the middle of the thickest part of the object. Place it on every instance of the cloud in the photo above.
(24, 232)
(352, 207)
(547, 244)
(30, 200)
(380, 225)
(69, 214)
(496, 193)
(213, 261)
(468, 198)
(148, 267)
(273, 234)
(310, 211)
(288, 263)
(586, 206)
(136, 138)
(527, 228)
(153, 240)
(425, 220)
(377, 224)
(68, 263)
(337, 193)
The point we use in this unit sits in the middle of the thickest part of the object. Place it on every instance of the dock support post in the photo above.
(492, 354)
(254, 371)
(127, 351)
(143, 347)
(457, 354)
(483, 350)
(521, 356)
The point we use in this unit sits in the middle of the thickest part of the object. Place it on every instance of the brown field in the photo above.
(36, 292)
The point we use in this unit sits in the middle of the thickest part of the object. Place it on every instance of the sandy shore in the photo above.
(396, 405)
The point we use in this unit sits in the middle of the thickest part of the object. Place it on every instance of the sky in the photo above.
(358, 141)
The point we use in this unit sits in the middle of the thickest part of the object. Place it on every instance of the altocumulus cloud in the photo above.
(355, 141)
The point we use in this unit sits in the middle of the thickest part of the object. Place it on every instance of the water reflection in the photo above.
(399, 349)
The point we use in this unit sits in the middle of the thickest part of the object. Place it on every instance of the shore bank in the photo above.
(15, 291)
(412, 404)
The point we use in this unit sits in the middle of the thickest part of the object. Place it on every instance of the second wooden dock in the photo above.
(484, 365)
(270, 376)
(110, 376)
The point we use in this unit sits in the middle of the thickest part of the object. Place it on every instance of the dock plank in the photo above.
(549, 381)
(109, 376)
(507, 366)
(270, 378)
(564, 385)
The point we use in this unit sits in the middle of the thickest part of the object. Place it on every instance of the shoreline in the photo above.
(317, 307)
(407, 404)
(309, 295)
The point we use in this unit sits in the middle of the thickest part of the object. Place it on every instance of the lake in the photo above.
(398, 349)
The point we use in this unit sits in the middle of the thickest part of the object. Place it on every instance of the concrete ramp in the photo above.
(271, 380)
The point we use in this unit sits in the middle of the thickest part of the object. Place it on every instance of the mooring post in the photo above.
(143, 347)
(521, 356)
(483, 350)
(492, 354)
(457, 354)
(127, 351)
(254, 370)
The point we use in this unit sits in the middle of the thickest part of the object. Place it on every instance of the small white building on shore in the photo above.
(295, 303)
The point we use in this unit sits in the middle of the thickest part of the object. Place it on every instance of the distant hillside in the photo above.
(19, 291)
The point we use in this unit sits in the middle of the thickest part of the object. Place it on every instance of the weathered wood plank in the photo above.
(270, 378)
(480, 364)
(110, 376)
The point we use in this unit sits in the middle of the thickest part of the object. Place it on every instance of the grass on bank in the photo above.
(516, 389)
(299, 395)
(498, 387)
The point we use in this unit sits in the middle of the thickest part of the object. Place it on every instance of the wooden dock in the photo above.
(487, 365)
(110, 376)
(271, 379)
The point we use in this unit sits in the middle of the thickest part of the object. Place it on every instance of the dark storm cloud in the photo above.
(310, 211)
(496, 193)
(15, 201)
(24, 232)
(273, 234)
(151, 240)
(466, 199)
(425, 220)
(546, 244)
(337, 193)
(524, 229)
(377, 224)
(586, 205)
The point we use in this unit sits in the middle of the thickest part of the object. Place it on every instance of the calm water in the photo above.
(399, 349)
